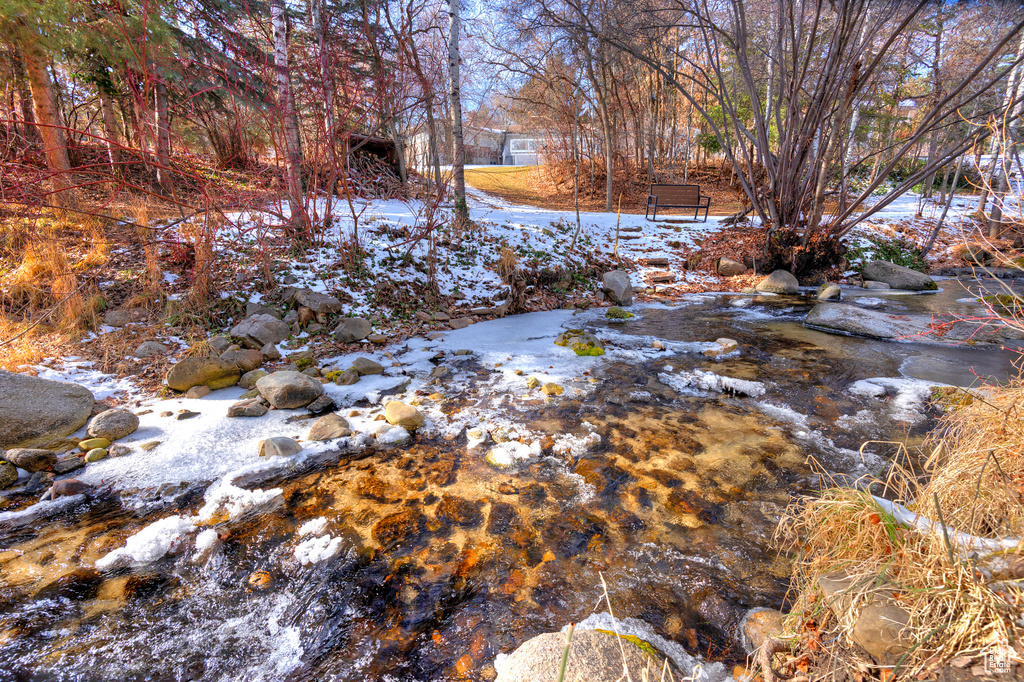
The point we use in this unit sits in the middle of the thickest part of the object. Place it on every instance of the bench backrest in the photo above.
(676, 194)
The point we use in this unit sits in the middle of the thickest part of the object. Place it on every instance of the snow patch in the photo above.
(149, 544)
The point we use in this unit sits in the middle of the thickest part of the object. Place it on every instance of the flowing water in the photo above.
(441, 561)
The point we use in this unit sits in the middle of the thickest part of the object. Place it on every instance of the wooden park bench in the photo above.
(677, 196)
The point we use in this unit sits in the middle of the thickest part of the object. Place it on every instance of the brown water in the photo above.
(446, 561)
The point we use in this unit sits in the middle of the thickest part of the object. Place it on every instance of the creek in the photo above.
(650, 472)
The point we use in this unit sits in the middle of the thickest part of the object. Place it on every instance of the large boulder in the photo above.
(213, 372)
(259, 330)
(367, 366)
(113, 424)
(288, 390)
(617, 287)
(321, 304)
(8, 475)
(594, 656)
(246, 359)
(279, 446)
(779, 282)
(897, 276)
(37, 411)
(352, 329)
(851, 319)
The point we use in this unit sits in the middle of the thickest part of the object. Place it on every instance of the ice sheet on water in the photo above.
(316, 549)
(909, 399)
(149, 544)
(709, 381)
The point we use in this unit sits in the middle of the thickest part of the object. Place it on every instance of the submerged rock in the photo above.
(37, 411)
(829, 292)
(859, 321)
(594, 656)
(897, 276)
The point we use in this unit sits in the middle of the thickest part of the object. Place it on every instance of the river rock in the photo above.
(879, 621)
(213, 372)
(279, 446)
(760, 625)
(897, 276)
(118, 450)
(67, 487)
(259, 330)
(459, 323)
(220, 343)
(976, 255)
(113, 424)
(322, 404)
(8, 475)
(246, 360)
(722, 346)
(320, 304)
(37, 411)
(593, 656)
(151, 349)
(289, 390)
(859, 321)
(779, 282)
(119, 318)
(249, 379)
(400, 414)
(377, 338)
(270, 352)
(617, 287)
(877, 286)
(367, 366)
(247, 408)
(90, 443)
(352, 329)
(329, 427)
(31, 459)
(730, 268)
(197, 392)
(346, 377)
(829, 292)
(551, 388)
(96, 454)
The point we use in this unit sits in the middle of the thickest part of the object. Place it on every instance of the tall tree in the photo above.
(291, 141)
(458, 147)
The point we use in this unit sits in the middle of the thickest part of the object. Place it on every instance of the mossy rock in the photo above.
(566, 337)
(333, 374)
(950, 398)
(303, 363)
(587, 349)
(1005, 305)
(617, 313)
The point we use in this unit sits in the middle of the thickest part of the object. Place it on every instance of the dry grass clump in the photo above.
(954, 609)
(979, 468)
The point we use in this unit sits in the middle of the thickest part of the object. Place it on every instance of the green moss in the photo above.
(951, 398)
(617, 313)
(566, 337)
(587, 348)
(332, 375)
(1006, 305)
(303, 363)
(646, 646)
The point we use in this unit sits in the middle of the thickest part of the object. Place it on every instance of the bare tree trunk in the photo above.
(458, 149)
(290, 123)
(163, 136)
(111, 134)
(21, 85)
(51, 128)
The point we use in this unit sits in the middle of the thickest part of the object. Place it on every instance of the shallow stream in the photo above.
(651, 473)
